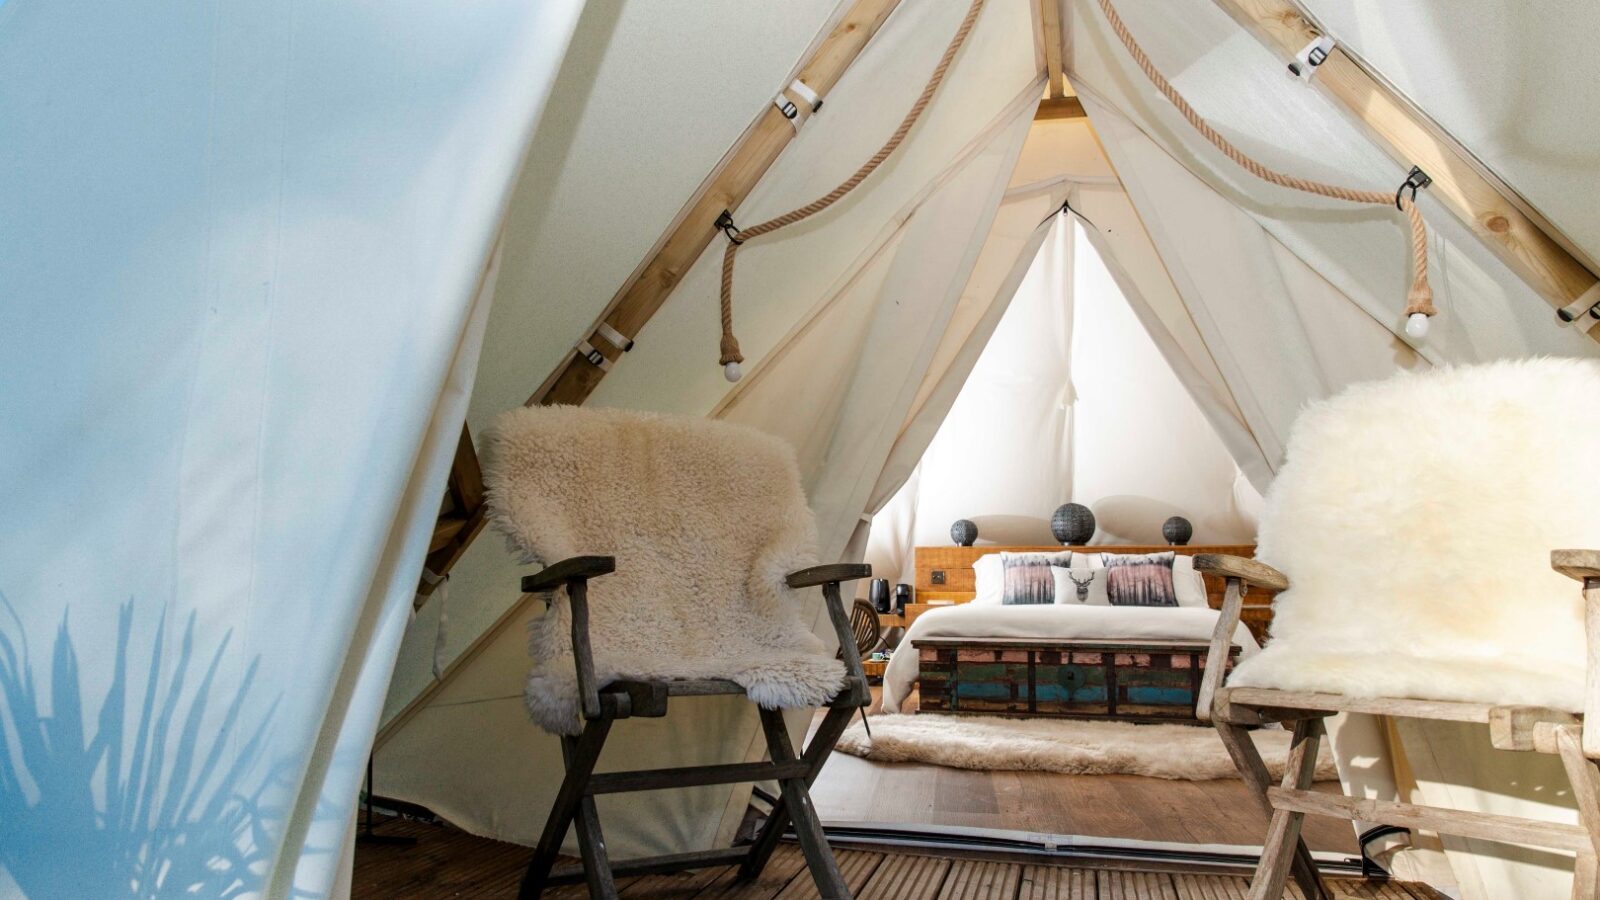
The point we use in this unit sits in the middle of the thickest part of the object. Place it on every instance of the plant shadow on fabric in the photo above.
(171, 818)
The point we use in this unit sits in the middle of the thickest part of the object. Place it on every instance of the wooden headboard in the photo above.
(945, 573)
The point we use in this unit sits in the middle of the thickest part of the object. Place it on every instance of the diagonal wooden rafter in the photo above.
(729, 184)
(1524, 240)
(462, 512)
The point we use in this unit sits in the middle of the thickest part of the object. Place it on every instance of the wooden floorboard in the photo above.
(906, 877)
(1056, 883)
(972, 879)
(448, 863)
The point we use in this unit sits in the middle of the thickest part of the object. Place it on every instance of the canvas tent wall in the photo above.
(863, 293)
(1252, 296)
(1259, 267)
(1071, 399)
(240, 313)
(248, 256)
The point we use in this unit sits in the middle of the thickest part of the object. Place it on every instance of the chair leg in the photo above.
(822, 743)
(1283, 836)
(1585, 778)
(1254, 774)
(592, 847)
(579, 756)
(798, 807)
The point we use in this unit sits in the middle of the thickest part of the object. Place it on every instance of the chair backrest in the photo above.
(704, 518)
(1415, 518)
(865, 626)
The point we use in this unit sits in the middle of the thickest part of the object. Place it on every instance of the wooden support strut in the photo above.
(576, 377)
(1528, 244)
(729, 184)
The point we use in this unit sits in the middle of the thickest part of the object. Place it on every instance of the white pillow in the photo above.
(990, 576)
(1188, 585)
(1080, 586)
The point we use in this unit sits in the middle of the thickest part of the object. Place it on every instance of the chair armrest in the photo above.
(1252, 572)
(578, 568)
(575, 573)
(833, 573)
(1576, 564)
(829, 577)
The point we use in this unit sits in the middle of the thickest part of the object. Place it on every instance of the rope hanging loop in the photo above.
(1419, 298)
(731, 357)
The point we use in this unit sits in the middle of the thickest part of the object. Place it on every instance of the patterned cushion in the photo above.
(1139, 579)
(1028, 579)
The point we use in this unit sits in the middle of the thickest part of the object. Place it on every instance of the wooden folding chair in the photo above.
(604, 704)
(1519, 728)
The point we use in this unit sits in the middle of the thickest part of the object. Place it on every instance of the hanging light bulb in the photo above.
(732, 372)
(1417, 326)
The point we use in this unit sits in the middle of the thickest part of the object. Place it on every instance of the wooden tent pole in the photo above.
(643, 293)
(1530, 246)
(575, 378)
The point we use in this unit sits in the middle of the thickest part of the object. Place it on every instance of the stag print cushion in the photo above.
(1139, 579)
(1086, 587)
(1027, 577)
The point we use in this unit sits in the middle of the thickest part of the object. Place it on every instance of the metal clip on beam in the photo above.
(1416, 180)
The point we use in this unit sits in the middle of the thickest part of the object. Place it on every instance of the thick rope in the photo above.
(1420, 297)
(730, 344)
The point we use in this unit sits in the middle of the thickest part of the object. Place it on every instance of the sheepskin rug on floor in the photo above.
(1068, 746)
(1415, 517)
(704, 518)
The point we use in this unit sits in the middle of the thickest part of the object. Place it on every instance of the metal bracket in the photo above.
(595, 357)
(1416, 180)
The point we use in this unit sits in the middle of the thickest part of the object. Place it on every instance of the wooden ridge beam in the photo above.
(1050, 24)
(1060, 108)
(1527, 243)
(729, 184)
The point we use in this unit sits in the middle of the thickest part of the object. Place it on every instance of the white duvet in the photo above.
(1169, 623)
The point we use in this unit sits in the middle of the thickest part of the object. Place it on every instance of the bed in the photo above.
(1057, 621)
(946, 576)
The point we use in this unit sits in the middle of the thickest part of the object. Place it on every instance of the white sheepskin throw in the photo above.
(1068, 746)
(1415, 518)
(704, 518)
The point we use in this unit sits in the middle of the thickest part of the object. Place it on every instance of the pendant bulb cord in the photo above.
(1419, 298)
(736, 238)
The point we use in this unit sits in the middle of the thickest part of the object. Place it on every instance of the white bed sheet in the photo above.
(1049, 621)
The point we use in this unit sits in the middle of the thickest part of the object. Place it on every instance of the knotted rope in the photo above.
(730, 344)
(1420, 297)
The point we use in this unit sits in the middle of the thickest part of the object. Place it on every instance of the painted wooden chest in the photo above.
(1138, 681)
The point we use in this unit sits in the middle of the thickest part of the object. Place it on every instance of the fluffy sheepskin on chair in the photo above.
(1415, 518)
(704, 518)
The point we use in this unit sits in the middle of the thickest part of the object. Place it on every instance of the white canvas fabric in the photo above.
(245, 285)
(892, 260)
(1479, 91)
(704, 519)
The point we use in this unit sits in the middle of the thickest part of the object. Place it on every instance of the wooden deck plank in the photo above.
(906, 877)
(677, 885)
(1118, 885)
(1056, 883)
(972, 879)
(1210, 887)
(856, 866)
(448, 863)
(786, 863)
